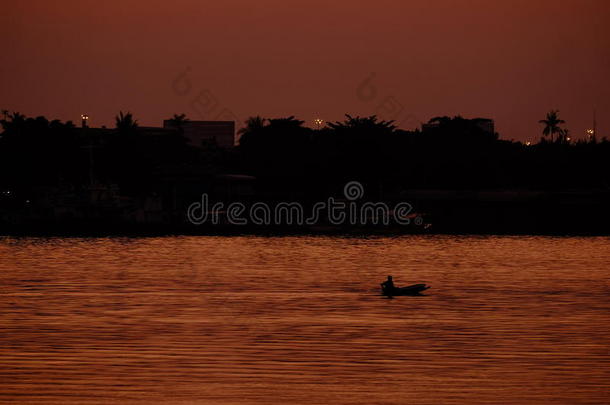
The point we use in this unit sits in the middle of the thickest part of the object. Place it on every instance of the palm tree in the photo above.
(253, 125)
(551, 124)
(364, 125)
(125, 122)
(14, 123)
(178, 121)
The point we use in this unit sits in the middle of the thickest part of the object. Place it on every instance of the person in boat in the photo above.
(388, 285)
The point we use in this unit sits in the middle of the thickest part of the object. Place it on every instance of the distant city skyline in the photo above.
(511, 61)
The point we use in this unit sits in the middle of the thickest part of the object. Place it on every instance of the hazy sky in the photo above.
(510, 60)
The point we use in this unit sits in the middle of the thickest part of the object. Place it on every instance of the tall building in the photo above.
(201, 133)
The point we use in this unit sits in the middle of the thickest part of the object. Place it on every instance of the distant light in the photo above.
(569, 139)
(590, 131)
(528, 143)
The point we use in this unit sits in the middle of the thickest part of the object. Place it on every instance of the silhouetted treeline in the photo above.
(36, 152)
(53, 172)
(448, 153)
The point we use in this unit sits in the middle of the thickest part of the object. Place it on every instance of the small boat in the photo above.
(414, 289)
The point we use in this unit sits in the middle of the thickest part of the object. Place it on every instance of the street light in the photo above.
(85, 119)
(318, 122)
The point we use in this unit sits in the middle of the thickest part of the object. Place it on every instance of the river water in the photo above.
(299, 320)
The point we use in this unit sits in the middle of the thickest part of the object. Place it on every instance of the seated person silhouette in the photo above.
(388, 285)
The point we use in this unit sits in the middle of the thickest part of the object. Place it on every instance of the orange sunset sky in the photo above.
(509, 60)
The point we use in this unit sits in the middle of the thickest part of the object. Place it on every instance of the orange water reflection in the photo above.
(299, 320)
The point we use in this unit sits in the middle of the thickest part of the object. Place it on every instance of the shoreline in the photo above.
(146, 232)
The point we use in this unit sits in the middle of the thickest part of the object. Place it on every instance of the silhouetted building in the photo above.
(201, 133)
(156, 131)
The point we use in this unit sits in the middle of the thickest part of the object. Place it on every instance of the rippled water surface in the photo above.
(299, 320)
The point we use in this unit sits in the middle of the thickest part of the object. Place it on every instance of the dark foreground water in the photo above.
(298, 320)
